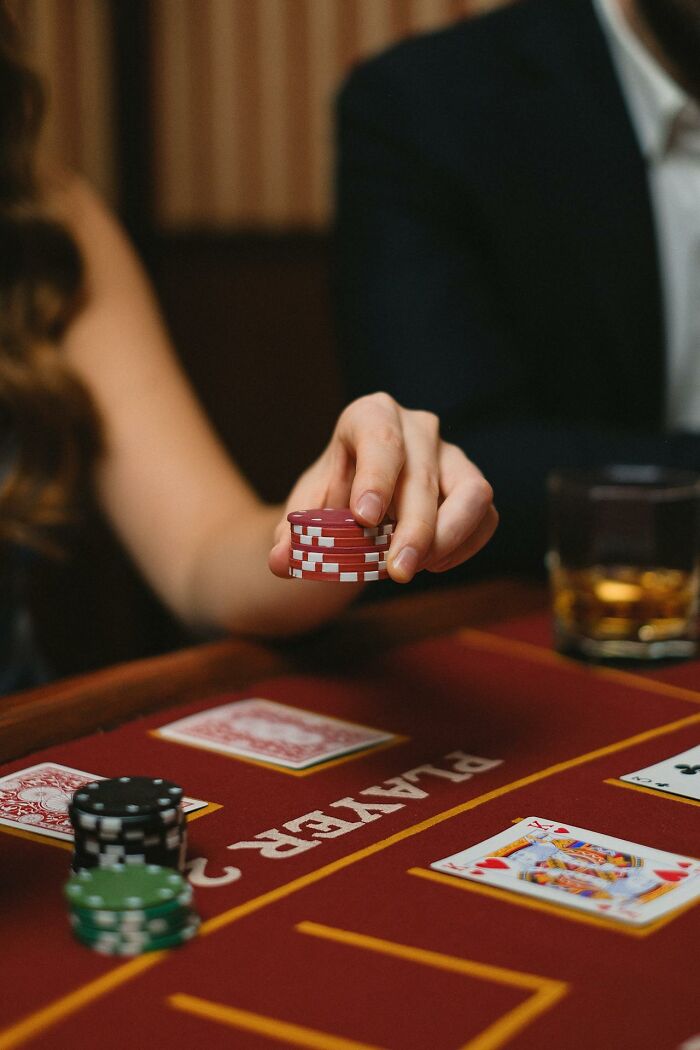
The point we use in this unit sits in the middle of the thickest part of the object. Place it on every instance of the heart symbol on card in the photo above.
(561, 831)
(475, 872)
(671, 876)
(683, 863)
(492, 862)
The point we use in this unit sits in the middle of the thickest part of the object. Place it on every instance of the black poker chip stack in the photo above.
(128, 820)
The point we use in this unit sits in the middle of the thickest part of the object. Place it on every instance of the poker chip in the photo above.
(127, 895)
(329, 545)
(359, 543)
(359, 530)
(155, 926)
(368, 558)
(109, 919)
(128, 796)
(124, 887)
(338, 577)
(109, 944)
(128, 821)
(327, 518)
(339, 567)
(128, 936)
(91, 852)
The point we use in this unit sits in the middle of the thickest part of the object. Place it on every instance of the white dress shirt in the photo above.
(667, 123)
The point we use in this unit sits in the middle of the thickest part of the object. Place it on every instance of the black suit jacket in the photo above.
(496, 254)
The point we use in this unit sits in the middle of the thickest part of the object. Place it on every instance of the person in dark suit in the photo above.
(517, 241)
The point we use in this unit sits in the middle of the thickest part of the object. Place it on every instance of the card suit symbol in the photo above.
(492, 862)
(475, 872)
(671, 876)
(561, 831)
(603, 907)
(684, 863)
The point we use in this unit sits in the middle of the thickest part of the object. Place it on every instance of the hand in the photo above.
(383, 459)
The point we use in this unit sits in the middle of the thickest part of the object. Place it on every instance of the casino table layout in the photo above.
(323, 923)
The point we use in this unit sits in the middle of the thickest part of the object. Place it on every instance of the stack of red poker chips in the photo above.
(330, 546)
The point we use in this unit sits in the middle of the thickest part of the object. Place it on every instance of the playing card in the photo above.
(272, 732)
(36, 798)
(678, 775)
(580, 869)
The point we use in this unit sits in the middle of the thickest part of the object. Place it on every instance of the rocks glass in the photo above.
(623, 561)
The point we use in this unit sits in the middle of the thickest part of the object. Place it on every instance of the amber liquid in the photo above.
(620, 610)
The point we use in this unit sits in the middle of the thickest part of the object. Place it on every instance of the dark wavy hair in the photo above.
(48, 424)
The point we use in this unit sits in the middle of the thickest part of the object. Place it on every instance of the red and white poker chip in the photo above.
(338, 555)
(339, 516)
(338, 577)
(369, 531)
(338, 566)
(329, 521)
(344, 543)
(329, 545)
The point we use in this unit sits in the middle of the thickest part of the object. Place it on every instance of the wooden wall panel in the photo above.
(243, 92)
(241, 98)
(69, 43)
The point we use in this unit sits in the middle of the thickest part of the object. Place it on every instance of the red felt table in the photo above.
(352, 941)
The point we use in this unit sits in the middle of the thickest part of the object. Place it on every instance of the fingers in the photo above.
(278, 560)
(383, 456)
(466, 518)
(444, 536)
(416, 496)
(371, 432)
(478, 539)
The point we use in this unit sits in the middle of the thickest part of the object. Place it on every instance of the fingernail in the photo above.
(370, 506)
(406, 562)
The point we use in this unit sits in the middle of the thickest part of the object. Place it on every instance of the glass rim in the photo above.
(620, 481)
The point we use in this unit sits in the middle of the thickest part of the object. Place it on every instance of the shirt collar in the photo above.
(655, 100)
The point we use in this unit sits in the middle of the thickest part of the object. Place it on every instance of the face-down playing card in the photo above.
(677, 775)
(270, 732)
(576, 868)
(36, 799)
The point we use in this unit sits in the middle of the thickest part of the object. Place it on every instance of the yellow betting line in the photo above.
(320, 767)
(31, 836)
(509, 897)
(62, 1008)
(497, 643)
(16, 1034)
(48, 840)
(211, 807)
(652, 791)
(283, 1031)
(506, 1027)
(437, 960)
(546, 990)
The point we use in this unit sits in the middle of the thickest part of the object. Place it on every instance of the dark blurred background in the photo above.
(207, 125)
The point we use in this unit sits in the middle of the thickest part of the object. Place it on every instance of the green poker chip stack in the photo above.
(131, 909)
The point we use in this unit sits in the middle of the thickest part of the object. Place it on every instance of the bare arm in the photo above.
(188, 517)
